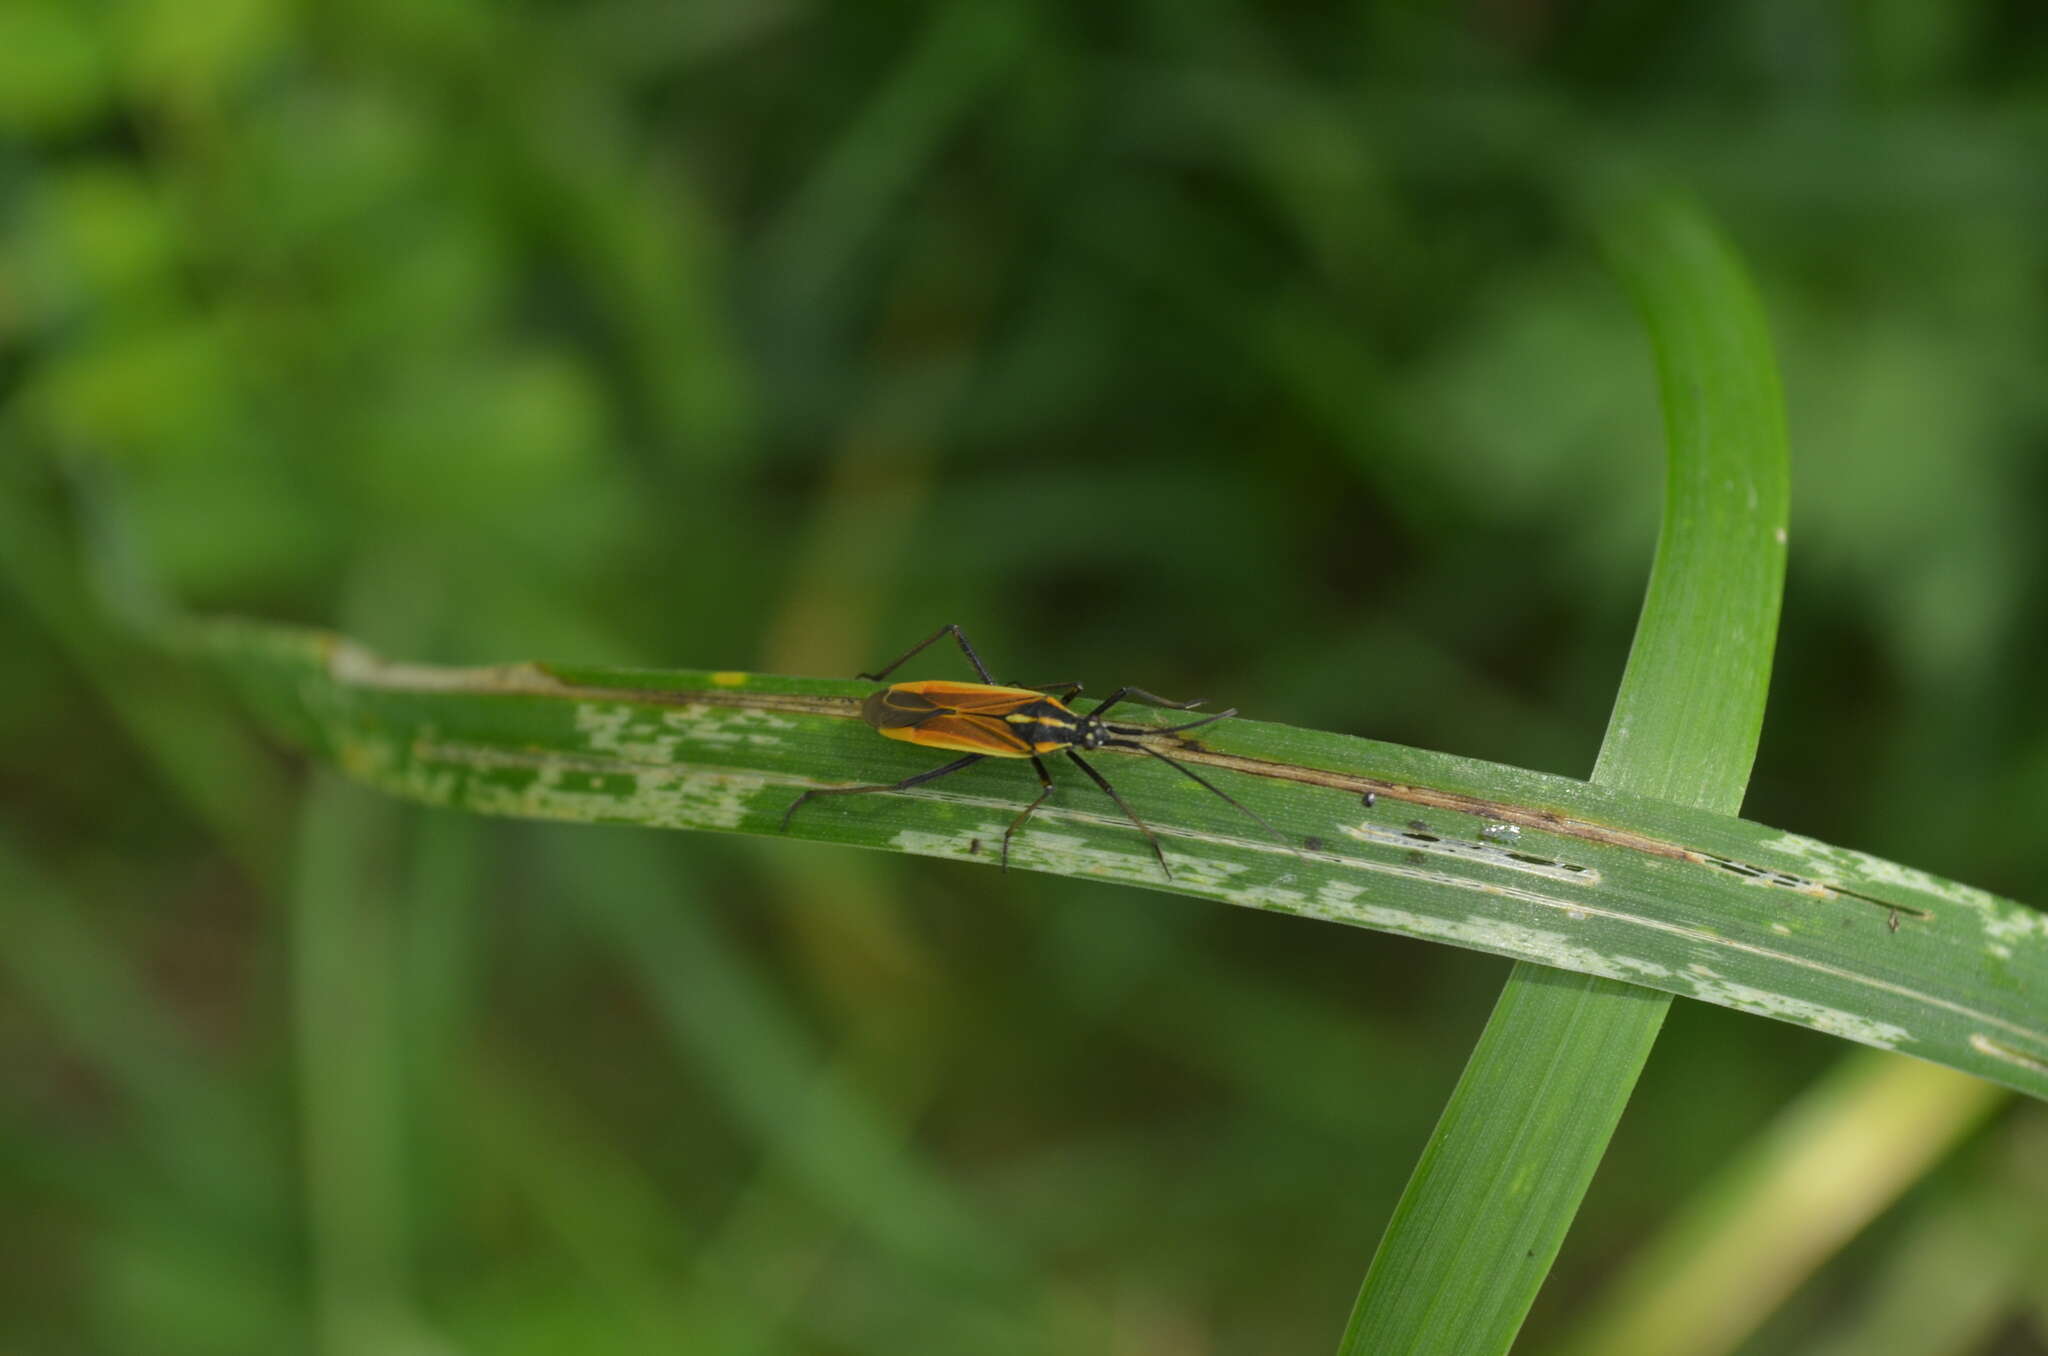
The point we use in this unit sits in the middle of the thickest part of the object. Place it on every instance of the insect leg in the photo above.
(1123, 805)
(1200, 780)
(1139, 694)
(1044, 790)
(904, 785)
(952, 627)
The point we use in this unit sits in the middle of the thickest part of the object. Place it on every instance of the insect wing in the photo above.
(898, 708)
(972, 698)
(965, 733)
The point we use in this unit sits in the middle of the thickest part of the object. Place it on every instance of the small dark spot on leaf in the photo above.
(1314, 844)
(1369, 799)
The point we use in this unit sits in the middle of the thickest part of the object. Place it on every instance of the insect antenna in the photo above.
(1201, 781)
(1133, 731)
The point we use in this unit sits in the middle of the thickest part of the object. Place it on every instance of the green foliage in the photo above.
(1499, 1184)
(1576, 875)
(1203, 346)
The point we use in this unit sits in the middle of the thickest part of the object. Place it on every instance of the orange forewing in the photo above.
(965, 733)
(973, 698)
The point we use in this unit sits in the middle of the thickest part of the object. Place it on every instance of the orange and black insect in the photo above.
(991, 720)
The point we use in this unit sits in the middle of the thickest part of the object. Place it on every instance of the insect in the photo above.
(991, 720)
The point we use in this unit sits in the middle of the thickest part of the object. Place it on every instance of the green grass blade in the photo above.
(1499, 859)
(1846, 1150)
(1498, 1184)
(350, 1071)
(1490, 1202)
(1691, 706)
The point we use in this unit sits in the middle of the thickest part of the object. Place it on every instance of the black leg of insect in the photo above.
(990, 720)
(950, 628)
(919, 780)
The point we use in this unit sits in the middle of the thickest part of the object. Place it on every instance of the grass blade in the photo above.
(1490, 1202)
(1499, 859)
(1845, 1151)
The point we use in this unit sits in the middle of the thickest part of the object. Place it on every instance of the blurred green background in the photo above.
(1263, 352)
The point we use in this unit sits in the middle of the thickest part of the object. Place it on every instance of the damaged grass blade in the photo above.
(1498, 859)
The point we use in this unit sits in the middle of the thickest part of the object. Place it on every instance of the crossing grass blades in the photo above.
(991, 720)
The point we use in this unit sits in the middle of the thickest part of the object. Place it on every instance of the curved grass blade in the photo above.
(1495, 1192)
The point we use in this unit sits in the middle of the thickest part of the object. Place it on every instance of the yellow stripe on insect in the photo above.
(973, 719)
